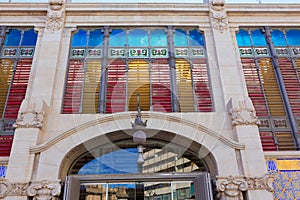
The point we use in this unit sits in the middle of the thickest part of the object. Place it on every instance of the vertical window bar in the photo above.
(282, 87)
(173, 85)
(104, 70)
(150, 75)
(127, 68)
(2, 36)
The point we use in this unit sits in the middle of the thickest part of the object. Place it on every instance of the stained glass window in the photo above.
(243, 38)
(137, 63)
(29, 38)
(293, 37)
(13, 38)
(278, 38)
(258, 38)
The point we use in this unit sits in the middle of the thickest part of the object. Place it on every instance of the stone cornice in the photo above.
(130, 116)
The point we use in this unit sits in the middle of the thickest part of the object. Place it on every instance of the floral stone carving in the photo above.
(12, 189)
(44, 190)
(55, 16)
(243, 113)
(218, 15)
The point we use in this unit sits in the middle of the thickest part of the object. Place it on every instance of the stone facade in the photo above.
(46, 142)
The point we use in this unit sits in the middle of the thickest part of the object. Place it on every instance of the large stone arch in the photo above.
(67, 146)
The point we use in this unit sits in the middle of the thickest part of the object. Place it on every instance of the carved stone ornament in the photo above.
(30, 119)
(55, 16)
(218, 15)
(44, 190)
(31, 114)
(217, 5)
(231, 187)
(12, 189)
(243, 113)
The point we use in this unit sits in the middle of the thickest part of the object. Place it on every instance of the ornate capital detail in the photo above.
(56, 14)
(31, 114)
(44, 190)
(12, 189)
(243, 113)
(231, 187)
(261, 183)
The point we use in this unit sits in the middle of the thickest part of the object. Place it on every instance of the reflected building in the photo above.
(154, 101)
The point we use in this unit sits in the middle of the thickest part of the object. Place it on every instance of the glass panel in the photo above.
(138, 83)
(183, 190)
(180, 38)
(196, 38)
(293, 37)
(79, 38)
(96, 38)
(116, 86)
(184, 86)
(6, 71)
(278, 38)
(13, 38)
(117, 38)
(138, 37)
(91, 87)
(29, 38)
(243, 38)
(96, 191)
(158, 38)
(258, 38)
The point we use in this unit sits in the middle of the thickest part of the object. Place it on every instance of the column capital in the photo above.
(43, 190)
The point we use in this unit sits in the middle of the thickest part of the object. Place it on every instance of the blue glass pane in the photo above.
(278, 38)
(13, 38)
(158, 38)
(138, 37)
(258, 38)
(29, 38)
(196, 38)
(79, 38)
(293, 37)
(2, 171)
(117, 38)
(96, 38)
(117, 162)
(180, 38)
(243, 38)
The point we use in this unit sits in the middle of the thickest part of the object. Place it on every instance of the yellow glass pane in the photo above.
(138, 83)
(6, 71)
(184, 86)
(271, 87)
(91, 90)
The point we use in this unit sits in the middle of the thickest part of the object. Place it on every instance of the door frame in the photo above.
(202, 182)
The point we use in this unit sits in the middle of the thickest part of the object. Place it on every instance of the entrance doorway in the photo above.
(167, 186)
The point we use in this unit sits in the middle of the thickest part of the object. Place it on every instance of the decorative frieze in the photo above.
(243, 113)
(44, 190)
(55, 15)
(12, 189)
(233, 187)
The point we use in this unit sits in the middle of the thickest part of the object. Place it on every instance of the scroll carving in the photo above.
(12, 189)
(218, 15)
(44, 190)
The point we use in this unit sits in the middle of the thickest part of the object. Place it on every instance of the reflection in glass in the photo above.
(243, 38)
(293, 37)
(180, 38)
(258, 38)
(117, 38)
(278, 38)
(138, 37)
(13, 38)
(196, 38)
(29, 38)
(158, 38)
(96, 38)
(79, 39)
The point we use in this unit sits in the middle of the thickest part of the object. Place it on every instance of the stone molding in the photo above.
(218, 15)
(44, 190)
(55, 15)
(242, 112)
(12, 189)
(31, 114)
(233, 187)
